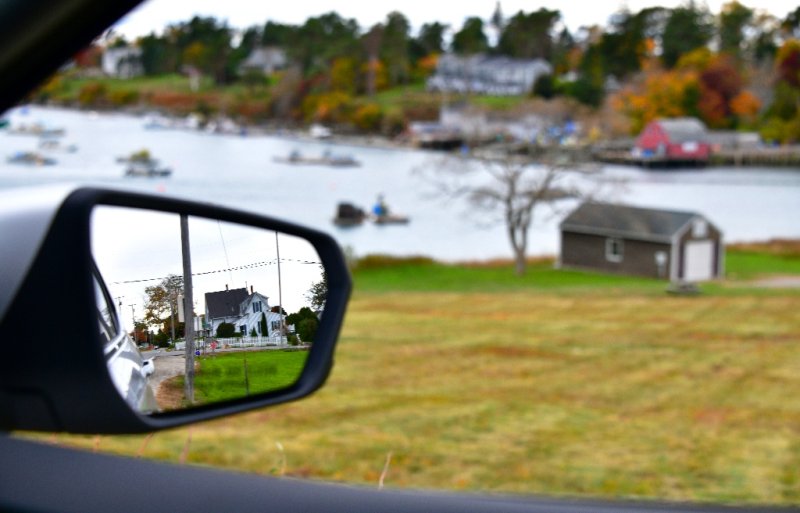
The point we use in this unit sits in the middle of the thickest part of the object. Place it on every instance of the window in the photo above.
(243, 329)
(106, 313)
(276, 325)
(614, 250)
(256, 306)
(699, 229)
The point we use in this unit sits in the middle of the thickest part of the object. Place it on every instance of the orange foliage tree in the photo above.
(702, 84)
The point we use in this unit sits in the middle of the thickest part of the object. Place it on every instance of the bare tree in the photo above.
(513, 185)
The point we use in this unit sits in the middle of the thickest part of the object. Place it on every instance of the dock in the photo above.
(778, 156)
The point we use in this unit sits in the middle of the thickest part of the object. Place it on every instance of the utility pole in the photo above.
(133, 320)
(280, 294)
(188, 311)
(172, 322)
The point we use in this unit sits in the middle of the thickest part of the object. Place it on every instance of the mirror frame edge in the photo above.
(66, 253)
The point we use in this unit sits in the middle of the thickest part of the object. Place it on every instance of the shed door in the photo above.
(698, 260)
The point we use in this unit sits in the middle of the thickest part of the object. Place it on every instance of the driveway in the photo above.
(166, 366)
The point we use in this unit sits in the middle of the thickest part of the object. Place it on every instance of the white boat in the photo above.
(31, 158)
(147, 169)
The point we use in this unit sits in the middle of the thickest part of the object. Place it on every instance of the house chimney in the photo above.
(251, 289)
(226, 286)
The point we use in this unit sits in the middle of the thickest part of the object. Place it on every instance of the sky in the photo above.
(136, 248)
(154, 15)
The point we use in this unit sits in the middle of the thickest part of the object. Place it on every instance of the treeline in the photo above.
(734, 69)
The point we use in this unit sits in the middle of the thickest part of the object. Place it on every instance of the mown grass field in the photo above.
(559, 383)
(239, 374)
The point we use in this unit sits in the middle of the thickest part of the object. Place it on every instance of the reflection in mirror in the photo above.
(256, 297)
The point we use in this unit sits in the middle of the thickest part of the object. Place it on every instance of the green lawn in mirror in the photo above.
(221, 376)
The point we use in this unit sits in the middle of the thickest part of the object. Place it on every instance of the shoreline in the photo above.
(781, 157)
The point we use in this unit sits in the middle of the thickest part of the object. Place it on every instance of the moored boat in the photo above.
(147, 169)
(31, 158)
(327, 159)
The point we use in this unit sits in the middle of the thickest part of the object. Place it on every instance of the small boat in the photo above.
(348, 215)
(147, 169)
(320, 132)
(327, 159)
(37, 129)
(31, 158)
(391, 219)
(141, 156)
(49, 144)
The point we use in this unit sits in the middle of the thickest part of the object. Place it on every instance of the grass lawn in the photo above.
(222, 376)
(557, 384)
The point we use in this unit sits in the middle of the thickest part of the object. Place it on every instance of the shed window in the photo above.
(614, 250)
(699, 229)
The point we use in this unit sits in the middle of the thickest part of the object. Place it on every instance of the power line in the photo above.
(229, 269)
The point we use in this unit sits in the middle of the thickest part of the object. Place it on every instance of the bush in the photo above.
(544, 87)
(161, 339)
(92, 93)
(226, 330)
(367, 118)
(307, 328)
(394, 123)
(122, 97)
(292, 339)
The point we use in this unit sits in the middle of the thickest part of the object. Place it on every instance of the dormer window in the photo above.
(256, 306)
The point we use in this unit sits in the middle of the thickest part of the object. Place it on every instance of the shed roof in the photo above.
(681, 130)
(627, 222)
(225, 303)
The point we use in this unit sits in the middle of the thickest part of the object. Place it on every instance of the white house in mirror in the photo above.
(248, 312)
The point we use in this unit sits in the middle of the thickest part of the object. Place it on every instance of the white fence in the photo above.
(236, 342)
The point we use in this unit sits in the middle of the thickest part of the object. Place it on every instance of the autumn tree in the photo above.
(372, 41)
(394, 47)
(529, 36)
(687, 28)
(205, 43)
(161, 301)
(471, 39)
(734, 19)
(629, 40)
(277, 34)
(782, 118)
(321, 39)
(430, 39)
(159, 55)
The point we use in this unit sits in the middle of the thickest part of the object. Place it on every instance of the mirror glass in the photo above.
(194, 310)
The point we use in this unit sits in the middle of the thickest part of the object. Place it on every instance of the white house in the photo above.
(245, 311)
(266, 60)
(122, 62)
(481, 74)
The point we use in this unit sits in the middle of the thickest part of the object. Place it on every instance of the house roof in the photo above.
(225, 303)
(627, 222)
(265, 57)
(681, 130)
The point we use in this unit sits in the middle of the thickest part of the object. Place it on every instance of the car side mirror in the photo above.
(245, 310)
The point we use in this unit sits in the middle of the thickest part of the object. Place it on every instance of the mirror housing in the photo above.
(53, 375)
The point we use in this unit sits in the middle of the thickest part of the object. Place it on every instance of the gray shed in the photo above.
(666, 244)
